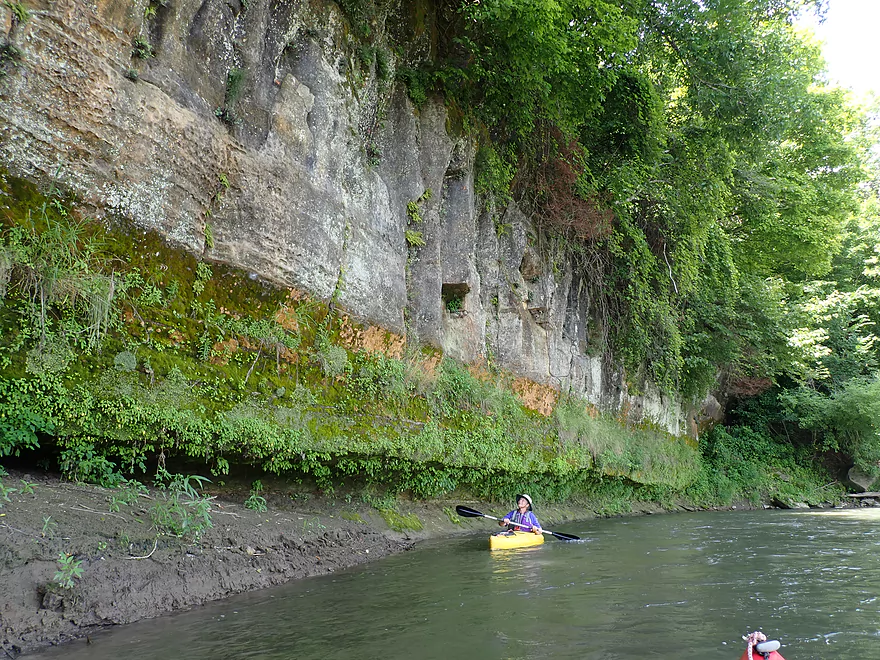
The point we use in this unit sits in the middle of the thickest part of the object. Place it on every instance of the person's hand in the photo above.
(536, 530)
(506, 521)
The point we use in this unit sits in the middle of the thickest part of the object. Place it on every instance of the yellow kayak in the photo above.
(515, 540)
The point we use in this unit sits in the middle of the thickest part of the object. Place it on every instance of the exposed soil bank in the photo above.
(130, 573)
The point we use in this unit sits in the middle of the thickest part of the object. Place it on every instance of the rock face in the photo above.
(262, 134)
(858, 480)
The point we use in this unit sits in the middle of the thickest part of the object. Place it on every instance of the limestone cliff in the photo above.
(146, 110)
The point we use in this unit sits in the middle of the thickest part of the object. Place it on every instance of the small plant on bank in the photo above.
(256, 501)
(226, 115)
(5, 492)
(494, 175)
(84, 463)
(203, 275)
(417, 84)
(128, 493)
(115, 504)
(125, 361)
(374, 154)
(452, 515)
(412, 212)
(414, 217)
(234, 87)
(27, 487)
(9, 53)
(183, 511)
(366, 56)
(383, 64)
(152, 9)
(69, 570)
(49, 526)
(413, 208)
(234, 84)
(333, 360)
(67, 289)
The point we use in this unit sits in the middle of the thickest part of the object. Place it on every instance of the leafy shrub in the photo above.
(82, 462)
(142, 49)
(19, 427)
(494, 174)
(417, 83)
(181, 511)
(846, 419)
(454, 304)
(128, 492)
(383, 64)
(5, 492)
(378, 378)
(69, 570)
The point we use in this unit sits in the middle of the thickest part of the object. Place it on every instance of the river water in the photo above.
(668, 586)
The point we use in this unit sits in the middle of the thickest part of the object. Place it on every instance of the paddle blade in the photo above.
(566, 537)
(466, 512)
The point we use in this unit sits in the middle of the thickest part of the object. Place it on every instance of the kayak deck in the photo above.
(515, 540)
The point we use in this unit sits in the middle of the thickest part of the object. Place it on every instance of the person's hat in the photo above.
(527, 499)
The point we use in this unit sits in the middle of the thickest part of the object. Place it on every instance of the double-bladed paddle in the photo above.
(467, 512)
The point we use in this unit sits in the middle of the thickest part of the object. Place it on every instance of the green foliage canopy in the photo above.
(705, 128)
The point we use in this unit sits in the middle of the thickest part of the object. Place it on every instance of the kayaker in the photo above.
(758, 647)
(523, 515)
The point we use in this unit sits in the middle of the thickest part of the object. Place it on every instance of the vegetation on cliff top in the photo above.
(689, 153)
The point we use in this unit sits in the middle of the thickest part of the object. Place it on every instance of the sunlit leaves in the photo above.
(541, 60)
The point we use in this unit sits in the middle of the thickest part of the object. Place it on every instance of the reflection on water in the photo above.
(869, 514)
(650, 587)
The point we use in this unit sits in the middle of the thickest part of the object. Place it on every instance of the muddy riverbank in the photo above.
(130, 572)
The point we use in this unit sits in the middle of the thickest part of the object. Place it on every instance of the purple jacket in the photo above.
(527, 519)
